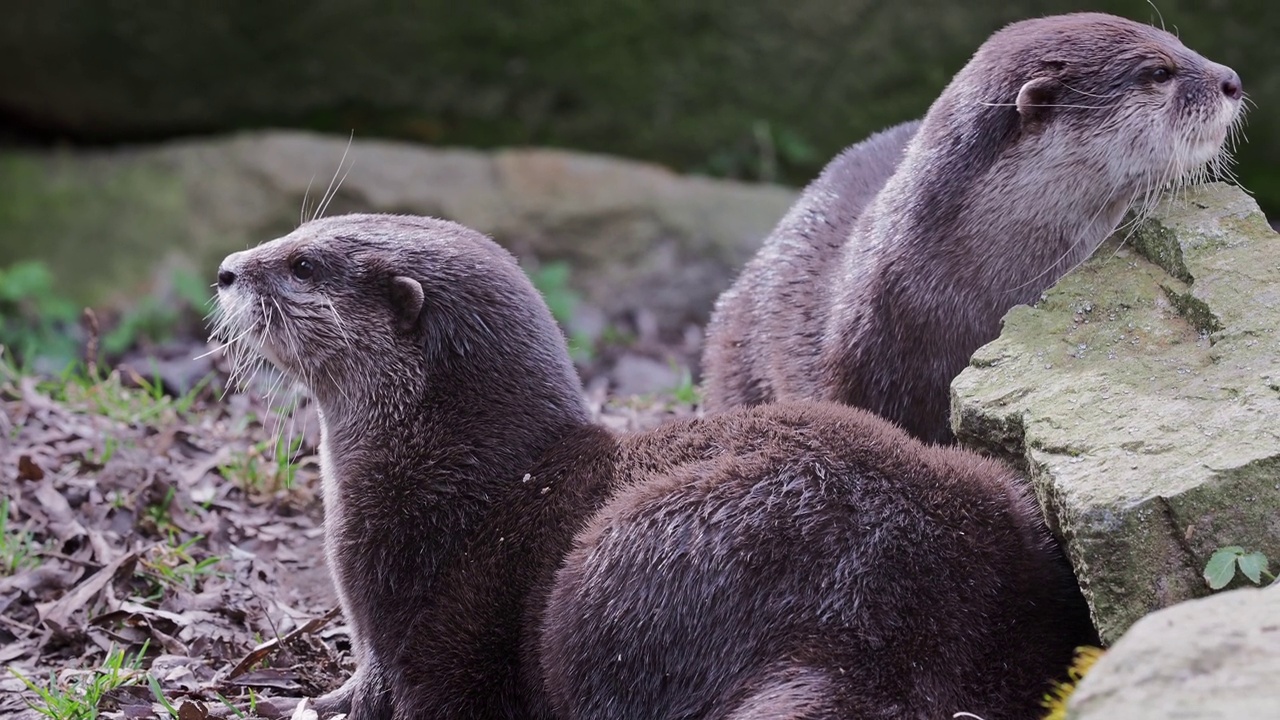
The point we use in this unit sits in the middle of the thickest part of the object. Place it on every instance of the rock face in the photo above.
(1142, 396)
(635, 234)
(1216, 658)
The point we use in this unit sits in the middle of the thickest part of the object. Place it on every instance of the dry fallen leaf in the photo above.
(28, 470)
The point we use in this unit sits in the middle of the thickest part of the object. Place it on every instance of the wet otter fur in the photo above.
(499, 556)
(902, 257)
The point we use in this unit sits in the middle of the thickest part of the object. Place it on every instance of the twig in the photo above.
(90, 322)
(262, 651)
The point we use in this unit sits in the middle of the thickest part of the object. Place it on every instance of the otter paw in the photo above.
(364, 696)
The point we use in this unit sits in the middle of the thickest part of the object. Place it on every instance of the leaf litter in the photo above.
(161, 555)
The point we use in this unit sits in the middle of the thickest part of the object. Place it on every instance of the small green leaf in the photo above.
(1222, 567)
(155, 690)
(1253, 565)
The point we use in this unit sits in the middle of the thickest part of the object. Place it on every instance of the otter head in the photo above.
(385, 313)
(1096, 99)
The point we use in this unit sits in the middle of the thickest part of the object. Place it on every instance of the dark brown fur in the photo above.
(1020, 169)
(498, 556)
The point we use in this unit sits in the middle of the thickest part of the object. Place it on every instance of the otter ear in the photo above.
(406, 299)
(1035, 99)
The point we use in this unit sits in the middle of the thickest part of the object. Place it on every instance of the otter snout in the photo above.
(228, 270)
(1230, 83)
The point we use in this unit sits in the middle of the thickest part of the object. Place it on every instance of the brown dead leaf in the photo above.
(62, 521)
(50, 576)
(189, 710)
(58, 614)
(127, 696)
(28, 469)
(268, 678)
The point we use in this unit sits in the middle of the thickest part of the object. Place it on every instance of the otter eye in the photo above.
(303, 269)
(1160, 75)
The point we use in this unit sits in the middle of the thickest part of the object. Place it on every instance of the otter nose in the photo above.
(1231, 86)
(227, 271)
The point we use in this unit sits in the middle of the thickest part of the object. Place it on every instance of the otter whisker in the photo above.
(1082, 238)
(325, 207)
(342, 388)
(302, 212)
(259, 341)
(211, 304)
(1130, 226)
(338, 320)
(332, 190)
(289, 343)
(282, 440)
(1158, 13)
(1089, 94)
(212, 350)
(276, 384)
(1049, 105)
(224, 345)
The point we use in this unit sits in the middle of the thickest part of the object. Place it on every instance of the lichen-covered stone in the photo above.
(1216, 658)
(1142, 396)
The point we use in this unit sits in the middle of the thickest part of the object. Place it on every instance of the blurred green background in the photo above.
(756, 89)
(124, 181)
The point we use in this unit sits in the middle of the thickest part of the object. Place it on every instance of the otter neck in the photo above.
(445, 448)
(944, 251)
(964, 234)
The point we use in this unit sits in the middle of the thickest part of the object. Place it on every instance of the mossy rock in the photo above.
(1141, 395)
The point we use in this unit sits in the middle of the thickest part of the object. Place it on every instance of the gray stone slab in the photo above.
(1215, 658)
(1143, 400)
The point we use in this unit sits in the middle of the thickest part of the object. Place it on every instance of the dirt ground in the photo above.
(162, 554)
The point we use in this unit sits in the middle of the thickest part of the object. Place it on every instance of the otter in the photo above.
(498, 555)
(902, 257)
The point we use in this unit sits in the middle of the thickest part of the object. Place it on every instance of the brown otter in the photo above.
(1020, 169)
(498, 555)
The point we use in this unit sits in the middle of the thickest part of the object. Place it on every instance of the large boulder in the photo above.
(749, 87)
(1216, 658)
(1142, 397)
(636, 234)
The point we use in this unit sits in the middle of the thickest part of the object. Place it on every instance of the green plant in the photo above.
(157, 320)
(159, 513)
(552, 281)
(1226, 562)
(160, 698)
(240, 714)
(77, 695)
(266, 467)
(686, 393)
(111, 398)
(614, 335)
(109, 446)
(151, 319)
(175, 565)
(17, 550)
(763, 154)
(35, 321)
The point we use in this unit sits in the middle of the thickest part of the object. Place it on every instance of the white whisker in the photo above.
(332, 190)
